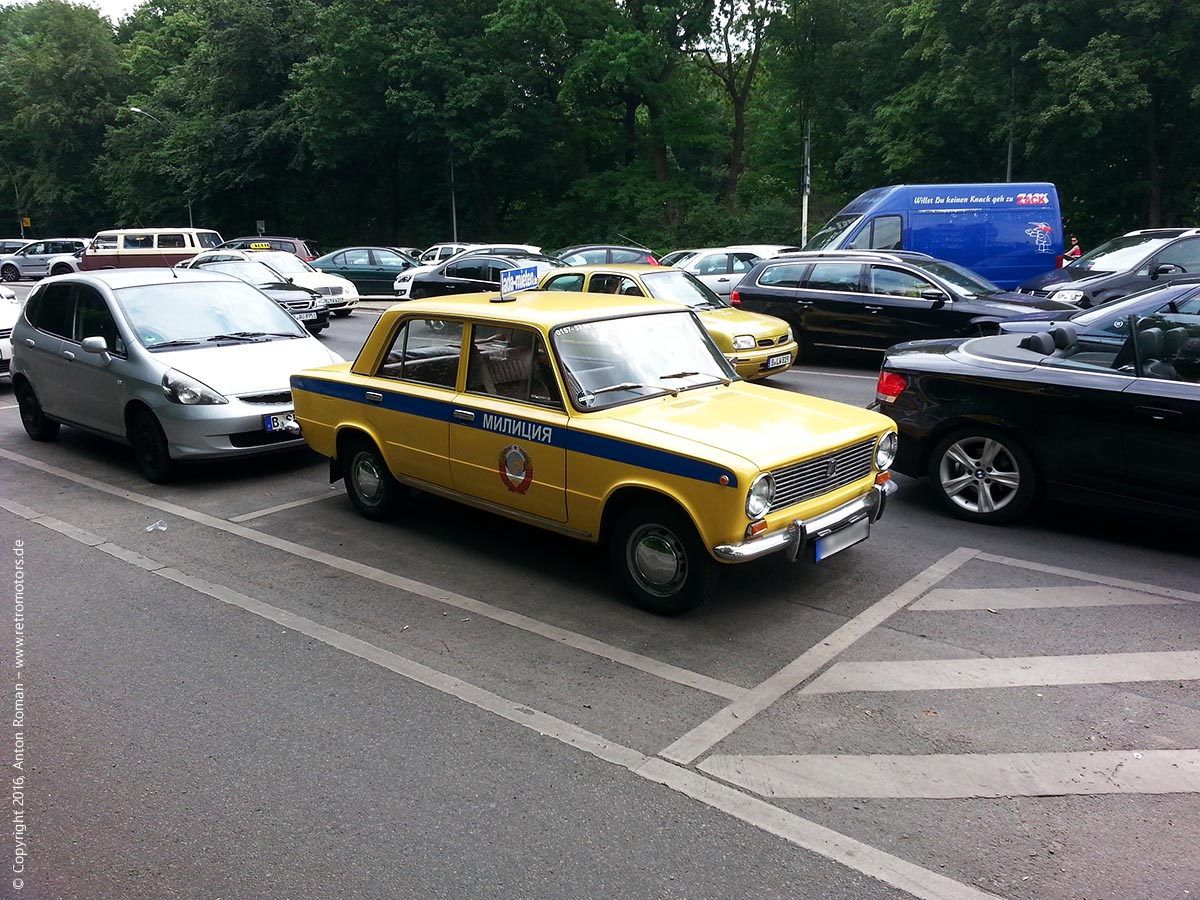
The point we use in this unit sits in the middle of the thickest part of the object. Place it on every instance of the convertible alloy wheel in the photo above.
(983, 475)
(658, 555)
(371, 487)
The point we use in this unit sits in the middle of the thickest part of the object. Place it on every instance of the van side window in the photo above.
(138, 242)
(171, 240)
(881, 233)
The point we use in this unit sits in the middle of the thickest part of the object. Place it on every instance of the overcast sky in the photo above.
(115, 10)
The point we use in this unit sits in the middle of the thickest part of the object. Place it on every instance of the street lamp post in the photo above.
(142, 112)
(17, 192)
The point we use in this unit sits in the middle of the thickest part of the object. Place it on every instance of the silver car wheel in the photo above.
(657, 560)
(979, 474)
(368, 481)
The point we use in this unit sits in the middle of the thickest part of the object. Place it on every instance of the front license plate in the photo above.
(840, 540)
(279, 421)
(306, 317)
(784, 359)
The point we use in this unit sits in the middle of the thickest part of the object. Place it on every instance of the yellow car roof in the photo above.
(542, 308)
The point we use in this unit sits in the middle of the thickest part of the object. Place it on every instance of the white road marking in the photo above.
(9, 406)
(834, 374)
(1034, 598)
(1144, 588)
(719, 726)
(1018, 671)
(650, 666)
(802, 833)
(258, 514)
(945, 776)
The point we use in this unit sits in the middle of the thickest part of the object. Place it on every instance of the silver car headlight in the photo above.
(885, 450)
(744, 342)
(1070, 296)
(762, 492)
(185, 389)
(319, 303)
(401, 279)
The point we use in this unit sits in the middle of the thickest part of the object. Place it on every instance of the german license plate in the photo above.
(784, 359)
(306, 317)
(840, 540)
(279, 421)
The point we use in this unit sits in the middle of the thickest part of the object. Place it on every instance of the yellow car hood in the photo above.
(765, 426)
(731, 322)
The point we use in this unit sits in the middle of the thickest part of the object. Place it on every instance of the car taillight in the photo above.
(735, 298)
(650, 260)
(1060, 261)
(890, 387)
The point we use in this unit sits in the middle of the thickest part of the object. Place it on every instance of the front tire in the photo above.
(150, 448)
(10, 273)
(37, 425)
(982, 474)
(372, 488)
(656, 553)
(342, 313)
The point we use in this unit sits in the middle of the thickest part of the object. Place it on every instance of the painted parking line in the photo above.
(945, 776)
(802, 833)
(950, 599)
(9, 406)
(719, 726)
(573, 639)
(1142, 587)
(1019, 671)
(270, 510)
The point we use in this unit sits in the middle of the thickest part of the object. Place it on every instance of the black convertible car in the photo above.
(997, 421)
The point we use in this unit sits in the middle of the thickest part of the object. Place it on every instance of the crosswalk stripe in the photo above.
(1034, 598)
(958, 674)
(958, 776)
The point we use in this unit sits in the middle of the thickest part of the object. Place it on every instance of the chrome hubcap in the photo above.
(367, 480)
(979, 474)
(657, 560)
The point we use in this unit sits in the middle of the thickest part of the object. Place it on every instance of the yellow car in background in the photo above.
(616, 421)
(756, 345)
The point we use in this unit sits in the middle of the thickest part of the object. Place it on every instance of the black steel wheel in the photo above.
(37, 425)
(150, 447)
(657, 554)
(982, 474)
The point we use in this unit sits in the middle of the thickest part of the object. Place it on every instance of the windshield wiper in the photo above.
(584, 398)
(180, 343)
(250, 336)
(721, 378)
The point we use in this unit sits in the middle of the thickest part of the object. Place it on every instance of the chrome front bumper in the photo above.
(796, 536)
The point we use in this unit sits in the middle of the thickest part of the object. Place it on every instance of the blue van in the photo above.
(1006, 232)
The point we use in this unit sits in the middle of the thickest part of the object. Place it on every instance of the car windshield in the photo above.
(963, 280)
(1170, 298)
(254, 272)
(178, 313)
(834, 229)
(682, 287)
(286, 263)
(615, 361)
(1120, 254)
(675, 258)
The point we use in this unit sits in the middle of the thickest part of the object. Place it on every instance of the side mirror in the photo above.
(1166, 269)
(98, 346)
(938, 298)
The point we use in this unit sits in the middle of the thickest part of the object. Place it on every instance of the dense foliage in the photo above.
(553, 121)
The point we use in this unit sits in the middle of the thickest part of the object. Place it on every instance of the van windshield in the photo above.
(835, 229)
(207, 239)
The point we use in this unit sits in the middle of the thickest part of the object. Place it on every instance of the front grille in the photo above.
(329, 291)
(5, 333)
(274, 397)
(773, 342)
(298, 305)
(4, 366)
(1036, 293)
(804, 480)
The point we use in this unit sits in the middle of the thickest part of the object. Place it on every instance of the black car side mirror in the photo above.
(938, 298)
(1167, 269)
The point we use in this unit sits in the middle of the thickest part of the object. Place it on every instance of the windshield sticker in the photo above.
(516, 469)
(530, 431)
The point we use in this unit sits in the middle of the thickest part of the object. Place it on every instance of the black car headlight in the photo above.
(762, 492)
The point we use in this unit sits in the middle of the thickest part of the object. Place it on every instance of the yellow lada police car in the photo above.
(756, 344)
(619, 421)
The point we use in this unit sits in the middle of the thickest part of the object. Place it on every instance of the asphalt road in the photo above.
(234, 687)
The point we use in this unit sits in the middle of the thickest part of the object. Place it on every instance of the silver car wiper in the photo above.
(189, 342)
(250, 336)
(721, 378)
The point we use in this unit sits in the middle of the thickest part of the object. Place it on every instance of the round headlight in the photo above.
(1069, 296)
(885, 451)
(762, 491)
(744, 342)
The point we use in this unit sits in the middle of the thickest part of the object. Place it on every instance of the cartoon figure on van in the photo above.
(1042, 233)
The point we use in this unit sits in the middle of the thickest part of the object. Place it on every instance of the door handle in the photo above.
(375, 396)
(67, 354)
(464, 415)
(722, 279)
(30, 342)
(1157, 413)
(803, 304)
(873, 309)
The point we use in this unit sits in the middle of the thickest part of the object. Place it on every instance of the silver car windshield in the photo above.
(287, 263)
(614, 361)
(184, 312)
(682, 287)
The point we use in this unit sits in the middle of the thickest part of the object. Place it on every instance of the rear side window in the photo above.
(50, 310)
(137, 242)
(788, 275)
(359, 257)
(572, 282)
(834, 277)
(628, 256)
(425, 351)
(896, 283)
(468, 268)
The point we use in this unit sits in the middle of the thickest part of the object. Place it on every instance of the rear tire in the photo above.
(61, 270)
(656, 553)
(150, 448)
(982, 474)
(372, 488)
(36, 423)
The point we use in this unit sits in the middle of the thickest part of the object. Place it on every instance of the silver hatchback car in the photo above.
(180, 364)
